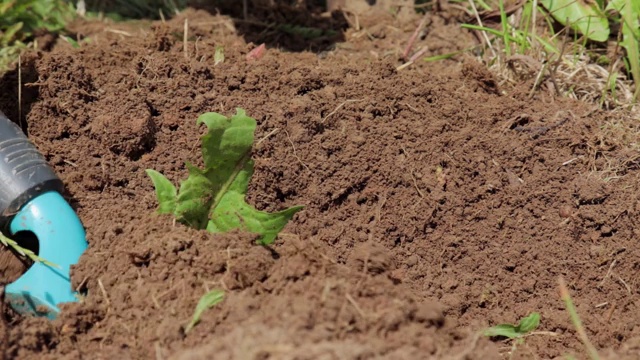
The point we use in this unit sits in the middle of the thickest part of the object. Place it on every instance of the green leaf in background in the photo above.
(10, 33)
(165, 192)
(207, 301)
(218, 56)
(214, 198)
(630, 11)
(529, 323)
(526, 325)
(581, 15)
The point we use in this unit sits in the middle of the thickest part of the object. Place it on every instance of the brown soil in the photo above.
(436, 202)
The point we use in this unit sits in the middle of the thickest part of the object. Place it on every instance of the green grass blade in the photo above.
(207, 301)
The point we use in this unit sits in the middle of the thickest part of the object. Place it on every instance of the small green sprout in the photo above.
(526, 325)
(207, 301)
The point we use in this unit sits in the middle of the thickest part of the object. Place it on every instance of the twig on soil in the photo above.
(413, 58)
(272, 132)
(575, 319)
(119, 32)
(610, 313)
(484, 33)
(613, 263)
(70, 163)
(626, 286)
(159, 352)
(340, 107)
(294, 152)
(415, 184)
(571, 160)
(356, 24)
(414, 36)
(81, 284)
(155, 302)
(353, 302)
(104, 292)
(185, 36)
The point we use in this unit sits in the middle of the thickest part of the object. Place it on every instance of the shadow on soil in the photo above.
(302, 27)
(16, 105)
(288, 25)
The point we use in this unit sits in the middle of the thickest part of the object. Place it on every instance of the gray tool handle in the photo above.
(24, 172)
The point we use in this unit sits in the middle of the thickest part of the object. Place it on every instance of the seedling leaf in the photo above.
(207, 301)
(505, 330)
(214, 198)
(165, 191)
(581, 15)
(218, 56)
(525, 326)
(529, 323)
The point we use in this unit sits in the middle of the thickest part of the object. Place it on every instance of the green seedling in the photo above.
(12, 244)
(592, 20)
(207, 301)
(526, 325)
(75, 43)
(575, 319)
(630, 17)
(213, 198)
(583, 16)
(20, 19)
(218, 56)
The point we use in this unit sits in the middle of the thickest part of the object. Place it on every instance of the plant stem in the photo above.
(4, 240)
(575, 319)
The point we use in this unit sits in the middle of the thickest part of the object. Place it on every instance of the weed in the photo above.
(76, 44)
(630, 11)
(19, 20)
(207, 301)
(526, 325)
(12, 244)
(568, 60)
(584, 17)
(218, 56)
(575, 319)
(214, 198)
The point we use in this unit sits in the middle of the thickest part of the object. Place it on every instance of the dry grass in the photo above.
(558, 63)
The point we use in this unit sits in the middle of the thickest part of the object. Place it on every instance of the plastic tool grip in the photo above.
(31, 200)
(62, 241)
(24, 172)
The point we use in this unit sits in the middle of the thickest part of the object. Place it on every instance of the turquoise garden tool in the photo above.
(31, 201)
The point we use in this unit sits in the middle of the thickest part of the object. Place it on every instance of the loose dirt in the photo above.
(437, 201)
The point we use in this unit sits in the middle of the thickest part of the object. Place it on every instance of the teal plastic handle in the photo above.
(62, 240)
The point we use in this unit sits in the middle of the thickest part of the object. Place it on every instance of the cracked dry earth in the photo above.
(437, 201)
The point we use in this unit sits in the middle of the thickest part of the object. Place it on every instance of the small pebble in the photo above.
(566, 211)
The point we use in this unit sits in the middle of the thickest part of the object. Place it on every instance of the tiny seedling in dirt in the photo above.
(575, 319)
(218, 56)
(207, 301)
(213, 198)
(526, 325)
(515, 332)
